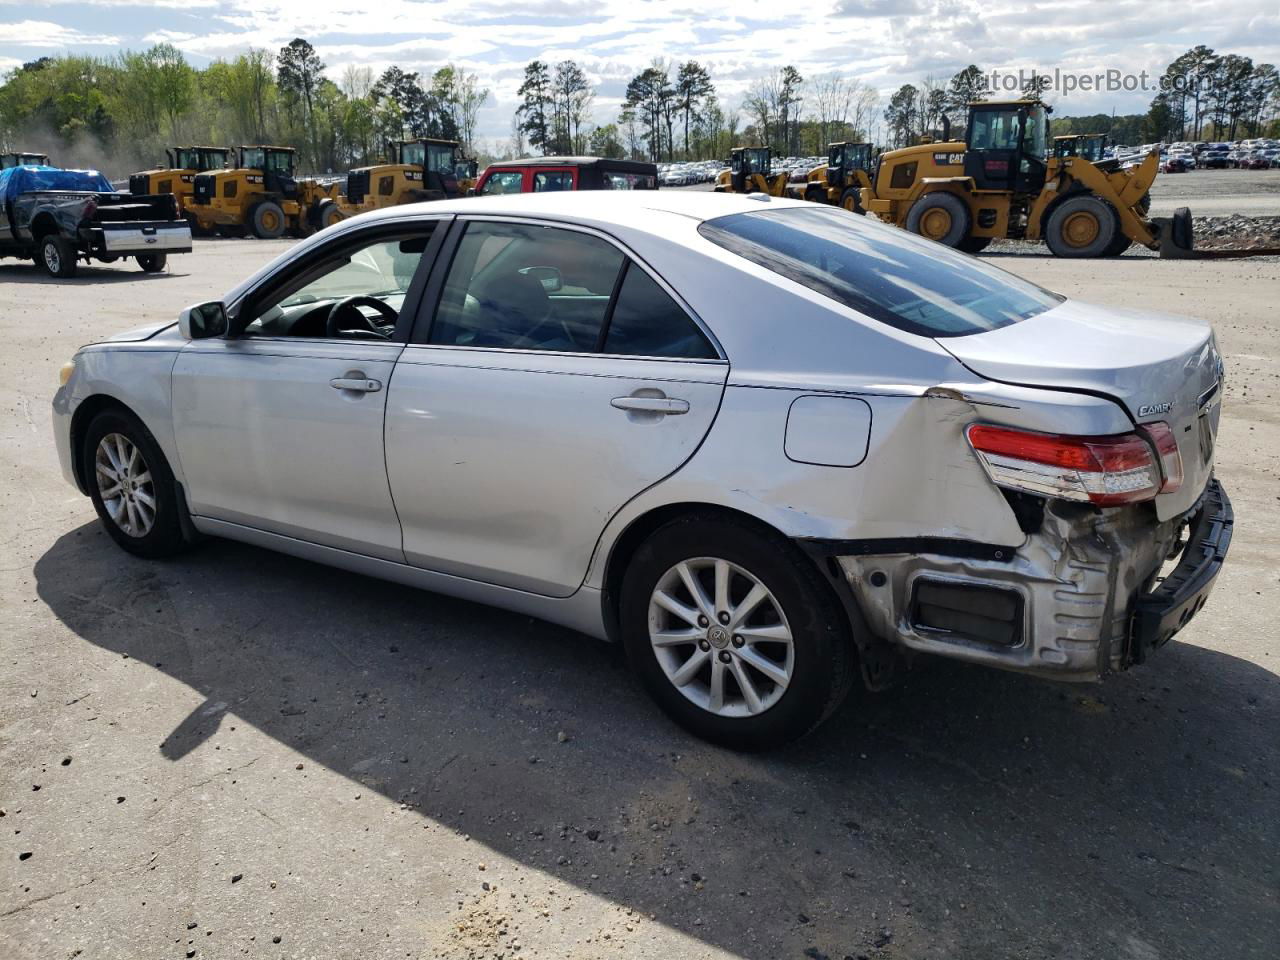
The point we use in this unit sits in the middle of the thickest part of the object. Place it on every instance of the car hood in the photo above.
(1156, 366)
(138, 334)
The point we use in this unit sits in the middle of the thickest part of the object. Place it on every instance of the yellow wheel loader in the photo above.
(261, 195)
(1090, 146)
(749, 172)
(467, 170)
(1001, 182)
(841, 179)
(8, 160)
(178, 178)
(424, 169)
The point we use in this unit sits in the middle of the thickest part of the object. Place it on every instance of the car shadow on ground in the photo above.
(963, 813)
(115, 273)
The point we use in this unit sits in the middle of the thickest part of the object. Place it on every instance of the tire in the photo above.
(851, 200)
(974, 244)
(152, 262)
(1119, 245)
(1081, 226)
(1183, 229)
(820, 654)
(328, 215)
(940, 216)
(57, 256)
(268, 220)
(163, 536)
(816, 195)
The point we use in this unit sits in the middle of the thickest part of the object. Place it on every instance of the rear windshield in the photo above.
(885, 273)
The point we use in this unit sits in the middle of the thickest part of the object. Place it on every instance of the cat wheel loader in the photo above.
(178, 178)
(261, 195)
(467, 170)
(841, 179)
(749, 172)
(423, 169)
(1090, 146)
(8, 160)
(1000, 181)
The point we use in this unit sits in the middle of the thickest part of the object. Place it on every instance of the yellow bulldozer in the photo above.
(178, 178)
(261, 195)
(8, 160)
(467, 170)
(841, 179)
(423, 169)
(750, 172)
(1000, 181)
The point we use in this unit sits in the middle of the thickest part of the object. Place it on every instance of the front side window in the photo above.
(882, 272)
(503, 182)
(412, 153)
(314, 302)
(994, 130)
(279, 161)
(187, 160)
(528, 288)
(545, 182)
(252, 159)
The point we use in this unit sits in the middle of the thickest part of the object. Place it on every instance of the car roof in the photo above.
(644, 210)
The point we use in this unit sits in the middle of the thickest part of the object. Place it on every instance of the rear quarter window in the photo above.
(883, 272)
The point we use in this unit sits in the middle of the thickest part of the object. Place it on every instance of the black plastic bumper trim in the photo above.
(941, 546)
(1160, 614)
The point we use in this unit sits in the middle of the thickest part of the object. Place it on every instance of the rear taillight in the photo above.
(1106, 471)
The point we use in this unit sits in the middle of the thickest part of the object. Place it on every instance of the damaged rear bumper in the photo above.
(1081, 596)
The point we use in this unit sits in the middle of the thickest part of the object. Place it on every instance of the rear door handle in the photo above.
(669, 406)
(356, 384)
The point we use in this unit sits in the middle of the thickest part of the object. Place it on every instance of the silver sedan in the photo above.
(773, 448)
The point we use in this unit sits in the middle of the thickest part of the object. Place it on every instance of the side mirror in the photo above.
(550, 277)
(203, 321)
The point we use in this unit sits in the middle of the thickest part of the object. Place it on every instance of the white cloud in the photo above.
(42, 33)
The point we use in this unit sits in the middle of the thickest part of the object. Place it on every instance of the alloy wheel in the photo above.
(721, 637)
(125, 484)
(52, 258)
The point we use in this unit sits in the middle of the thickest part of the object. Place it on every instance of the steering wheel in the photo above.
(351, 305)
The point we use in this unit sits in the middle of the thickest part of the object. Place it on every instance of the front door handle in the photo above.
(356, 384)
(668, 406)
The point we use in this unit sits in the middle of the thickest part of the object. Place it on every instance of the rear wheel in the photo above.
(851, 200)
(131, 485)
(268, 220)
(940, 216)
(1083, 226)
(57, 256)
(734, 633)
(153, 262)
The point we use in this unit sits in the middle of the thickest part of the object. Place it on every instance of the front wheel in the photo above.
(153, 262)
(1082, 226)
(851, 200)
(57, 256)
(734, 633)
(940, 216)
(131, 485)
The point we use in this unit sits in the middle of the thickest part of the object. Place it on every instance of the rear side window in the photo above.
(555, 180)
(883, 272)
(648, 323)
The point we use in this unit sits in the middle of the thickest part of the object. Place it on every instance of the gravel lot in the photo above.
(241, 754)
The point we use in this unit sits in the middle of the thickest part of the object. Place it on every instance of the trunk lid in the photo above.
(1156, 367)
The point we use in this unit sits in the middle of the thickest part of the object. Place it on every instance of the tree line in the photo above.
(120, 113)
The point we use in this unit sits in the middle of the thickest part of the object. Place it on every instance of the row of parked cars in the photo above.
(706, 171)
(1257, 154)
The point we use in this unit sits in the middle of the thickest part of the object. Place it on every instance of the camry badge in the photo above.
(1151, 409)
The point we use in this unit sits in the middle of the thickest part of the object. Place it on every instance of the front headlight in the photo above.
(65, 371)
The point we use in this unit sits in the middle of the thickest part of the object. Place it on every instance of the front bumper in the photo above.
(1080, 597)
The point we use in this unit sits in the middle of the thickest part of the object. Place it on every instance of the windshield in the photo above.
(440, 158)
(885, 273)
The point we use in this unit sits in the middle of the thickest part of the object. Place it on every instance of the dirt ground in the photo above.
(240, 754)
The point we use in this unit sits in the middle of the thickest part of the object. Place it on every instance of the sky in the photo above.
(883, 43)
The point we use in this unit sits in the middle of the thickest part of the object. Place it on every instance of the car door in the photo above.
(279, 427)
(556, 378)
